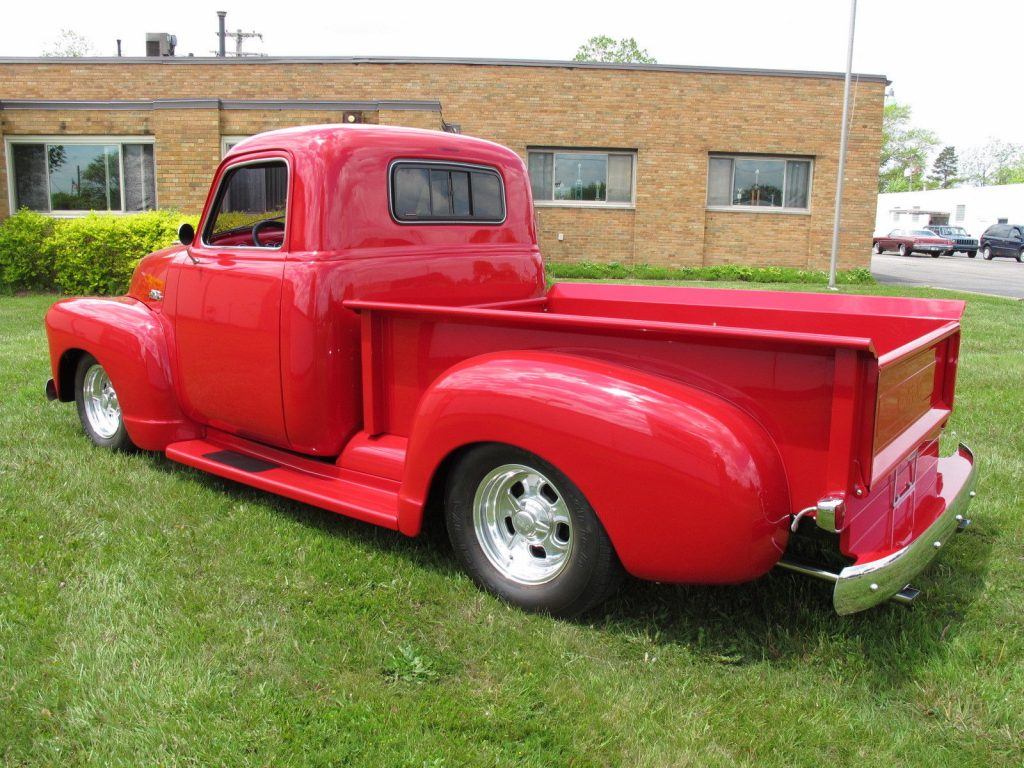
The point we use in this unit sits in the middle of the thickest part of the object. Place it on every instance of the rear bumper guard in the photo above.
(864, 585)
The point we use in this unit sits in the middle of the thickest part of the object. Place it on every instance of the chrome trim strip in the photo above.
(862, 586)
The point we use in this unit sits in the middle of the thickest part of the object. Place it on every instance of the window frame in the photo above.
(224, 173)
(761, 209)
(91, 139)
(395, 164)
(553, 203)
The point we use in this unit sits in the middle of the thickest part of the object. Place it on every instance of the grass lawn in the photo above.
(153, 615)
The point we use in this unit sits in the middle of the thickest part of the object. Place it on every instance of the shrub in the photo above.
(92, 254)
(26, 263)
(588, 270)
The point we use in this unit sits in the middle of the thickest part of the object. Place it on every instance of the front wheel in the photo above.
(98, 406)
(971, 254)
(525, 532)
(876, 248)
(903, 250)
(1020, 255)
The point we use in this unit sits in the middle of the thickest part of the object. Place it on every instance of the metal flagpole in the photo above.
(842, 152)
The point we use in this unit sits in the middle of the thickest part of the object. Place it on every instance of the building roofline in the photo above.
(596, 65)
(319, 105)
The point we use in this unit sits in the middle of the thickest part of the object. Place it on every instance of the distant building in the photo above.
(973, 208)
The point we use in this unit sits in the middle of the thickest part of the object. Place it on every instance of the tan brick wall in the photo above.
(672, 119)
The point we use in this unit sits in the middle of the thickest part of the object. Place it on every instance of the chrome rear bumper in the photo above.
(861, 586)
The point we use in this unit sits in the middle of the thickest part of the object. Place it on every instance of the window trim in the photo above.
(552, 203)
(90, 139)
(396, 163)
(760, 209)
(206, 222)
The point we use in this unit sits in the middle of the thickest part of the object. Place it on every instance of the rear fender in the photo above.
(688, 487)
(131, 342)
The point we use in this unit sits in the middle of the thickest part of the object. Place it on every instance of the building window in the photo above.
(227, 142)
(584, 178)
(70, 175)
(425, 192)
(895, 215)
(961, 213)
(755, 183)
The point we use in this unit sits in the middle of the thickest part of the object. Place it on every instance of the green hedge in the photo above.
(93, 254)
(97, 253)
(588, 270)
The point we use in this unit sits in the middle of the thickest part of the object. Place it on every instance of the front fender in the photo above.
(689, 487)
(131, 342)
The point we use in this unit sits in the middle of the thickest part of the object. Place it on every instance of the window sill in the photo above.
(80, 214)
(567, 204)
(758, 209)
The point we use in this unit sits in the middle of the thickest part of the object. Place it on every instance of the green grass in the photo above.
(614, 270)
(151, 615)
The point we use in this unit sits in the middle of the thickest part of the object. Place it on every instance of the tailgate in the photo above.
(913, 402)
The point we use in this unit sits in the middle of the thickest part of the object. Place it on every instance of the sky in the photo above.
(936, 53)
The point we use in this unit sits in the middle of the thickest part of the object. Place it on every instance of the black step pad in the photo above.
(241, 461)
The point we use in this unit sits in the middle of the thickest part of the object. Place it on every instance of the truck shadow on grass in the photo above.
(784, 619)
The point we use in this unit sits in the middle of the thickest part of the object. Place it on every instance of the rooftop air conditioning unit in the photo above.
(160, 44)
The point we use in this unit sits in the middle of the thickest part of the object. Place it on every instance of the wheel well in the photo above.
(433, 508)
(66, 374)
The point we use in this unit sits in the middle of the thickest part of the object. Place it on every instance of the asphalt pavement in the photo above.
(999, 277)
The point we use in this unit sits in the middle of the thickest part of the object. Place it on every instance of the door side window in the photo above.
(250, 207)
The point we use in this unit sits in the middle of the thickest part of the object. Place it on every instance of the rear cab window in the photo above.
(250, 208)
(445, 193)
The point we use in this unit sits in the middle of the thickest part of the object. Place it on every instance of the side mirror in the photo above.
(186, 234)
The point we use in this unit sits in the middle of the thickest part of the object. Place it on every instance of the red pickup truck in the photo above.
(362, 323)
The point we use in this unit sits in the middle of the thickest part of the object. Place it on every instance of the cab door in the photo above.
(228, 303)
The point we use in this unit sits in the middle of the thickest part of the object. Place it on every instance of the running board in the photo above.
(369, 499)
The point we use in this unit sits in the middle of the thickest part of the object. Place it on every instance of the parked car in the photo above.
(362, 323)
(1003, 240)
(910, 241)
(962, 241)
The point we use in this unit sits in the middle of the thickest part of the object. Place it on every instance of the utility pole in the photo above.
(238, 34)
(843, 135)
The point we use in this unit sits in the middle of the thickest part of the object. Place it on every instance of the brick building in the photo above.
(631, 163)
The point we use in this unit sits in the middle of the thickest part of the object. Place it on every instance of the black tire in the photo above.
(590, 571)
(986, 253)
(935, 254)
(971, 254)
(903, 250)
(875, 248)
(1020, 255)
(115, 439)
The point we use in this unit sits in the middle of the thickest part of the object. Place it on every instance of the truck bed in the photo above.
(851, 388)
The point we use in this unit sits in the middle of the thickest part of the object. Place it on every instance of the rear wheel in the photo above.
(903, 250)
(98, 407)
(1020, 255)
(525, 532)
(986, 253)
(935, 254)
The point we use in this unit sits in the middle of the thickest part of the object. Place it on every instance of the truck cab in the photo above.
(361, 322)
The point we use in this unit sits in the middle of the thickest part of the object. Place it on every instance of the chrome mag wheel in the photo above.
(100, 400)
(523, 524)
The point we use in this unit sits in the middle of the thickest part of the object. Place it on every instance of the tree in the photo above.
(603, 48)
(70, 44)
(905, 150)
(944, 169)
(995, 162)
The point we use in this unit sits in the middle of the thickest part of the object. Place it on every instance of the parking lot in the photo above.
(999, 277)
